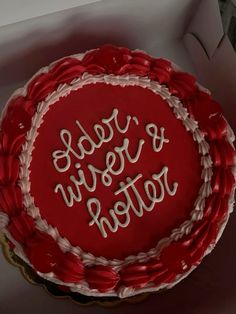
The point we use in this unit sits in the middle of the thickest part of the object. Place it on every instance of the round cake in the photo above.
(117, 173)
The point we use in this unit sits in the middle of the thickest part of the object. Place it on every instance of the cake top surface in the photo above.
(116, 173)
(118, 160)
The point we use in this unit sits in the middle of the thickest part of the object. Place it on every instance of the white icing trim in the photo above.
(154, 134)
(105, 174)
(88, 258)
(124, 80)
(129, 204)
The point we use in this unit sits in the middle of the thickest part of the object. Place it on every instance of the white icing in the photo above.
(82, 287)
(152, 130)
(88, 259)
(190, 124)
(100, 131)
(203, 147)
(181, 113)
(198, 135)
(206, 162)
(136, 120)
(122, 208)
(88, 79)
(105, 174)
(206, 189)
(206, 175)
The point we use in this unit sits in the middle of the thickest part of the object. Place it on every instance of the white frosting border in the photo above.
(125, 291)
(180, 113)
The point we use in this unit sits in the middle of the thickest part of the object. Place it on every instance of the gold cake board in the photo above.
(30, 275)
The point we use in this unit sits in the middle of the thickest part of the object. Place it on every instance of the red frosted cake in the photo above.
(117, 173)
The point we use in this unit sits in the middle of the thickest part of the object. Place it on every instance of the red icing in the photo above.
(103, 278)
(43, 252)
(70, 269)
(180, 155)
(11, 199)
(176, 258)
(41, 249)
(21, 226)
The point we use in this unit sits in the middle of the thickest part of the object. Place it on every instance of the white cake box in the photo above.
(188, 32)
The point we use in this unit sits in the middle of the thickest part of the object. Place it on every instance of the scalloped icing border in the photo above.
(180, 113)
(123, 291)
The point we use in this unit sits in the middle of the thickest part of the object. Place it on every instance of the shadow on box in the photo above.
(211, 286)
(40, 47)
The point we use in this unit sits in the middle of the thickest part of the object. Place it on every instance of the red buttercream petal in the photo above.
(207, 112)
(229, 182)
(22, 103)
(215, 153)
(215, 182)
(159, 74)
(9, 169)
(211, 201)
(11, 143)
(162, 64)
(21, 226)
(134, 268)
(222, 181)
(219, 211)
(154, 265)
(124, 69)
(62, 65)
(43, 252)
(5, 143)
(69, 74)
(71, 269)
(141, 61)
(223, 209)
(176, 258)
(10, 199)
(141, 55)
(109, 57)
(136, 280)
(102, 278)
(209, 233)
(198, 229)
(137, 69)
(95, 69)
(41, 86)
(203, 242)
(124, 50)
(216, 128)
(197, 249)
(163, 277)
(182, 85)
(161, 71)
(135, 275)
(16, 122)
(227, 153)
(89, 58)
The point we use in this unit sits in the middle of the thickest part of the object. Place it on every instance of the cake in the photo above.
(117, 173)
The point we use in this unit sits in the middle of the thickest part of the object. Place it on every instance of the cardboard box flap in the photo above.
(206, 26)
(217, 74)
